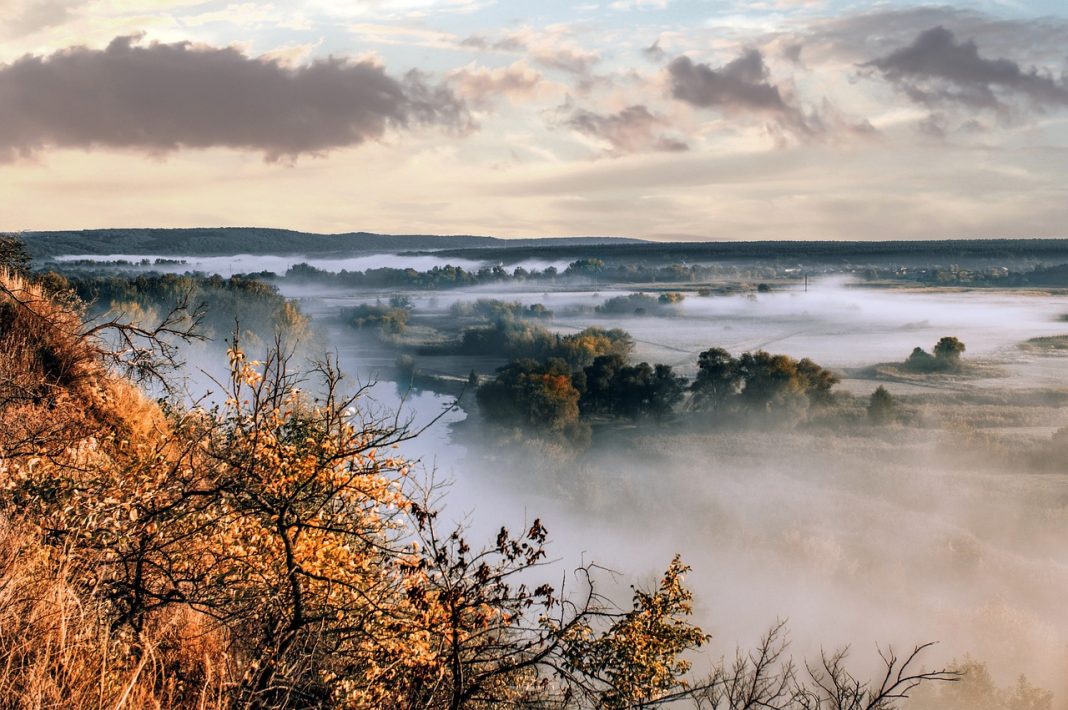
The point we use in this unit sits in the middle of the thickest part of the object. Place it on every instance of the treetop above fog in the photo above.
(946, 357)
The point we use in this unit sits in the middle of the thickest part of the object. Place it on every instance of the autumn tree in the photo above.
(671, 298)
(273, 515)
(580, 349)
(540, 396)
(637, 661)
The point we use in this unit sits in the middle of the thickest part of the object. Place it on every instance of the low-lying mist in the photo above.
(949, 527)
(856, 539)
(834, 323)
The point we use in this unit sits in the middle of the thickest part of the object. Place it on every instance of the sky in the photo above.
(659, 119)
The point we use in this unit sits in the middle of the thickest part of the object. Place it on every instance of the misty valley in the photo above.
(854, 449)
(490, 355)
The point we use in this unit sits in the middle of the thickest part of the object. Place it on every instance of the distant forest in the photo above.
(811, 252)
(243, 240)
(237, 240)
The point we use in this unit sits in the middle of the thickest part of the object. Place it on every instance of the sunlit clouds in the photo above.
(650, 119)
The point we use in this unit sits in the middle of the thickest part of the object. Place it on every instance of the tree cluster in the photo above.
(534, 394)
(492, 309)
(553, 395)
(640, 304)
(519, 339)
(611, 387)
(257, 306)
(946, 357)
(449, 276)
(759, 383)
(390, 318)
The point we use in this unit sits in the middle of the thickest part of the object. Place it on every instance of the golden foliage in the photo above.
(638, 659)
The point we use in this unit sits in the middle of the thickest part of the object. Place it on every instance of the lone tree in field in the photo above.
(948, 351)
(882, 409)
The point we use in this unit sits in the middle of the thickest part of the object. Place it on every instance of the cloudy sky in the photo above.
(665, 119)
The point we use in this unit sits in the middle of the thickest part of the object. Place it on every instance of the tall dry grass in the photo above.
(57, 648)
(55, 390)
(57, 644)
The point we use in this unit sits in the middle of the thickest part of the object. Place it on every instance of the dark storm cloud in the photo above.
(162, 97)
(938, 69)
(635, 129)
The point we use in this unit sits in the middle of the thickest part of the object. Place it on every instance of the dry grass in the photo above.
(57, 644)
(54, 389)
(1046, 343)
(57, 649)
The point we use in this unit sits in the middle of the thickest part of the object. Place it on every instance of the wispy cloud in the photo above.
(552, 47)
(634, 129)
(23, 17)
(481, 86)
